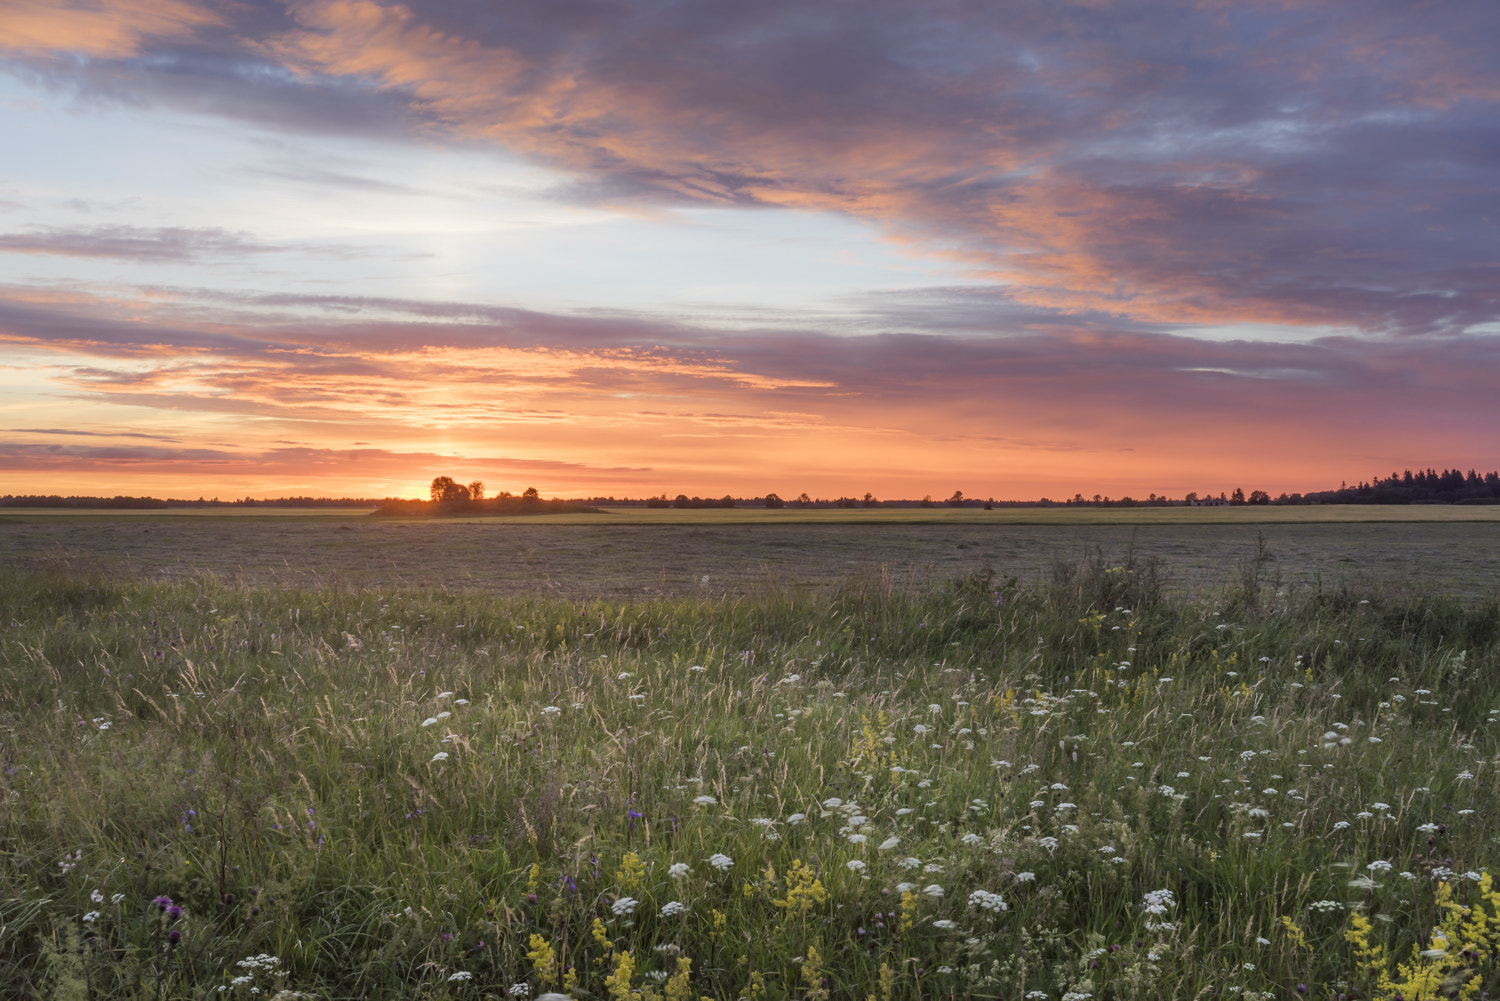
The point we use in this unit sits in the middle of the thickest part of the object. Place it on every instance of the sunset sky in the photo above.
(338, 247)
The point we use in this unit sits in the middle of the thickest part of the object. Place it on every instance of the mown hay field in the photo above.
(1085, 785)
(640, 553)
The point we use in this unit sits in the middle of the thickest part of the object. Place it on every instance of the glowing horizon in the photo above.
(339, 247)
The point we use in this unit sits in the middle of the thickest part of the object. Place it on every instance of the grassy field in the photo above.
(689, 554)
(1083, 786)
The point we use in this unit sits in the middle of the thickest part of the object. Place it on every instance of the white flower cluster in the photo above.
(1158, 904)
(672, 908)
(261, 962)
(720, 861)
(623, 906)
(985, 900)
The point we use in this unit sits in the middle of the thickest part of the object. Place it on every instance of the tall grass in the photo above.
(211, 789)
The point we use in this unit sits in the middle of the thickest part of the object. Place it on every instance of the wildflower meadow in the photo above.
(1089, 787)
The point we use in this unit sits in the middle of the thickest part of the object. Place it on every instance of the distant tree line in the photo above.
(683, 500)
(1450, 486)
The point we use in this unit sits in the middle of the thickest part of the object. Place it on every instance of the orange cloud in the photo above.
(98, 28)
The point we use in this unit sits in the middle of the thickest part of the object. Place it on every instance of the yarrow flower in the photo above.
(677, 870)
(720, 861)
(521, 990)
(440, 756)
(933, 890)
(625, 905)
(672, 908)
(460, 976)
(1158, 904)
(704, 800)
(855, 865)
(985, 900)
(944, 924)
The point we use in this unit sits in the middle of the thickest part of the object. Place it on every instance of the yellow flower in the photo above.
(812, 973)
(804, 890)
(632, 872)
(618, 983)
(543, 961)
(677, 985)
(908, 910)
(601, 936)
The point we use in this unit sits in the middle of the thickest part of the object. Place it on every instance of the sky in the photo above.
(626, 247)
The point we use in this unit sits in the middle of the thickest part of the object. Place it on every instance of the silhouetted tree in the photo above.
(1238, 497)
(957, 500)
(1259, 497)
(445, 489)
(870, 500)
(476, 490)
(530, 494)
(773, 501)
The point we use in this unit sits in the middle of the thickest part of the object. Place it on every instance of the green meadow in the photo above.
(1085, 784)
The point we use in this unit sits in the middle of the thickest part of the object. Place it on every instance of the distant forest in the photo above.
(1451, 486)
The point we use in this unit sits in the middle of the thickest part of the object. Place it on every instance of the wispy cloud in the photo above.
(676, 398)
(73, 433)
(1174, 162)
(157, 245)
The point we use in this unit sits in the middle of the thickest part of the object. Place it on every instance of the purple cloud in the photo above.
(1331, 163)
